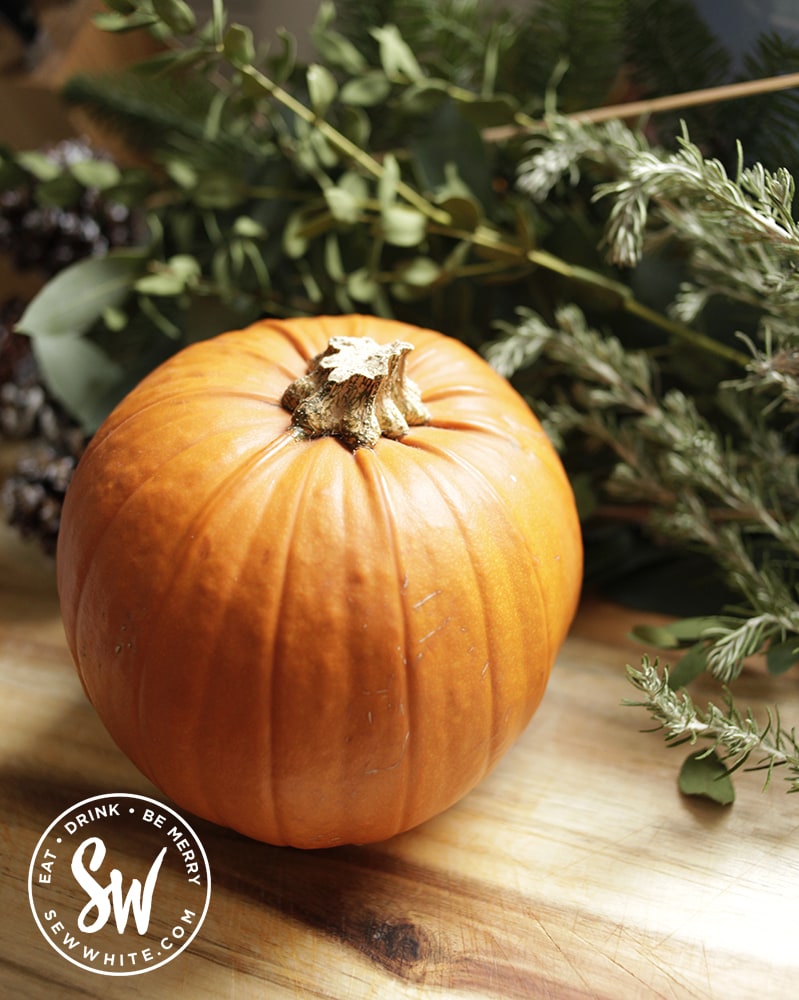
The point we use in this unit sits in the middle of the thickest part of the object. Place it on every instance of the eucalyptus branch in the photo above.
(734, 736)
(368, 163)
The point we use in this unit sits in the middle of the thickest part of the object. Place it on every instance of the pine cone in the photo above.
(46, 238)
(32, 496)
(16, 358)
(50, 238)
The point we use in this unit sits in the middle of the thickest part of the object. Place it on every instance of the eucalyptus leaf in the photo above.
(41, 166)
(464, 212)
(683, 632)
(366, 91)
(388, 181)
(334, 265)
(424, 97)
(182, 173)
(163, 283)
(295, 240)
(322, 88)
(325, 153)
(213, 119)
(334, 48)
(245, 225)
(343, 206)
(118, 23)
(361, 285)
(100, 174)
(695, 627)
(256, 261)
(239, 46)
(420, 272)
(80, 375)
(343, 301)
(403, 226)
(76, 298)
(355, 185)
(132, 189)
(356, 125)
(782, 656)
(655, 635)
(59, 192)
(220, 272)
(703, 774)
(177, 15)
(396, 56)
(310, 283)
(159, 318)
(185, 266)
(114, 319)
(691, 665)
(283, 65)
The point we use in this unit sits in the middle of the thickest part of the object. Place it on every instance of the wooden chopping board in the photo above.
(575, 870)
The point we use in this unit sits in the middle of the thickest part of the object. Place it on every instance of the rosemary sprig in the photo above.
(716, 470)
(734, 736)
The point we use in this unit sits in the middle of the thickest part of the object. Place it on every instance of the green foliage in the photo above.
(732, 738)
(702, 451)
(767, 122)
(704, 774)
(576, 46)
(671, 50)
(365, 182)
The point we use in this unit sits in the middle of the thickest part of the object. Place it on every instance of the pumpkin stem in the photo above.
(357, 391)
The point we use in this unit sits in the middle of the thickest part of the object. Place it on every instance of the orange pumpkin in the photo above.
(298, 628)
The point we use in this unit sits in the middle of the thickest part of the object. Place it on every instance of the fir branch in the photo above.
(671, 49)
(695, 193)
(563, 144)
(579, 41)
(768, 120)
(731, 645)
(160, 115)
(734, 736)
(774, 372)
(733, 504)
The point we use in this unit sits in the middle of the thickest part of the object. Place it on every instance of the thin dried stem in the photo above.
(655, 105)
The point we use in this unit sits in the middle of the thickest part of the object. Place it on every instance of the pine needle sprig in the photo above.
(736, 503)
(736, 737)
(739, 230)
(692, 191)
(563, 147)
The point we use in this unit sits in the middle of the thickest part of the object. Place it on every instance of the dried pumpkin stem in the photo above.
(356, 390)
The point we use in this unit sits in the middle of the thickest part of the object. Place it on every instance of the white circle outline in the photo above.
(140, 798)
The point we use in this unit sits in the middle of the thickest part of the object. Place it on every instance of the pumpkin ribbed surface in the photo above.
(309, 644)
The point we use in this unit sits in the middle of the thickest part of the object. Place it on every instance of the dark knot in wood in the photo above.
(401, 946)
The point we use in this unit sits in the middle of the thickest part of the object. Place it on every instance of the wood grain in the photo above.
(575, 870)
